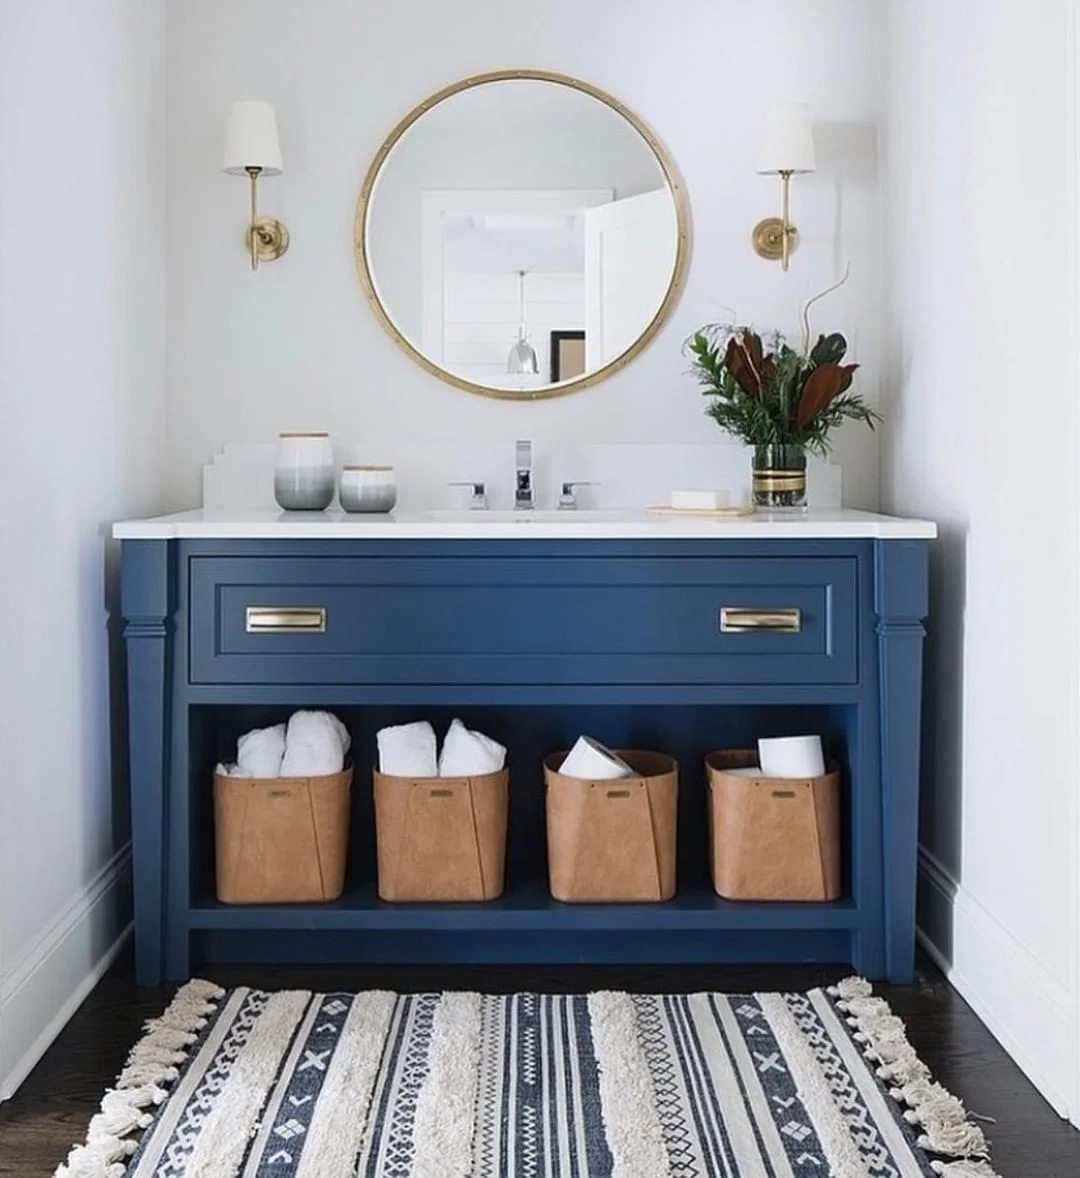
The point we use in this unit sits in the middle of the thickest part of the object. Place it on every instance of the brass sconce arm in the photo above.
(266, 237)
(253, 174)
(775, 238)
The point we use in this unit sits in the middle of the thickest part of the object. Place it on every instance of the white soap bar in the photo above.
(699, 500)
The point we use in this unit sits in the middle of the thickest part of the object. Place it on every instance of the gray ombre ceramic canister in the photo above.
(304, 474)
(368, 488)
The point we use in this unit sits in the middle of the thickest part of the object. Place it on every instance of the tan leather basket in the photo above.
(613, 841)
(772, 838)
(281, 840)
(441, 838)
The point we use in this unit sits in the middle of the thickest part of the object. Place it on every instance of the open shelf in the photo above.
(525, 925)
(527, 908)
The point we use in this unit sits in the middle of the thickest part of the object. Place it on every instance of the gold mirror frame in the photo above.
(678, 274)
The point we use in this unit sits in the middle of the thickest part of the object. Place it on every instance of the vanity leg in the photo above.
(178, 953)
(901, 604)
(182, 782)
(868, 854)
(145, 604)
(868, 951)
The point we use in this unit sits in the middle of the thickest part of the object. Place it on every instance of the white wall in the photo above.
(983, 436)
(81, 418)
(296, 346)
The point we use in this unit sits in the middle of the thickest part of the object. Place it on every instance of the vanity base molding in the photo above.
(553, 946)
(533, 641)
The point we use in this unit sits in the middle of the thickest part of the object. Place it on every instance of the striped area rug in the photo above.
(459, 1085)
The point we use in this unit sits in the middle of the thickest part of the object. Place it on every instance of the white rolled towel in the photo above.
(469, 754)
(408, 750)
(315, 745)
(259, 753)
(792, 756)
(589, 760)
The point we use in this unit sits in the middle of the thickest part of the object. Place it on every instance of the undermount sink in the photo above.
(575, 516)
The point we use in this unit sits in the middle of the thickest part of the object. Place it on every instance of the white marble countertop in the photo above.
(203, 524)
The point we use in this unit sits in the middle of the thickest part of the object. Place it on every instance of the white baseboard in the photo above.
(49, 982)
(1023, 1005)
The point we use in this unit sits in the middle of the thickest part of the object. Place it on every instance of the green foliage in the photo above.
(771, 394)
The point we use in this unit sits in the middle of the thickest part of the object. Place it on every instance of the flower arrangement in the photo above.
(782, 401)
(771, 394)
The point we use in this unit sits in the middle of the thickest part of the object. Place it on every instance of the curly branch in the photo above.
(816, 299)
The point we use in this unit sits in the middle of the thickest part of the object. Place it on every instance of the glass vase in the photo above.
(779, 477)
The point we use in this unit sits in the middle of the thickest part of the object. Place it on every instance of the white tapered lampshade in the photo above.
(788, 143)
(251, 139)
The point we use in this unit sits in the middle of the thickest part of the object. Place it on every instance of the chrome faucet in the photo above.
(523, 481)
(478, 502)
(568, 498)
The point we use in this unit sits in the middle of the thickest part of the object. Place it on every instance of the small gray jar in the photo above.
(368, 489)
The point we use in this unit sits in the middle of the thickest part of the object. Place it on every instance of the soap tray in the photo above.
(703, 512)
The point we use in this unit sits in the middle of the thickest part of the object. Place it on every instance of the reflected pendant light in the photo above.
(522, 360)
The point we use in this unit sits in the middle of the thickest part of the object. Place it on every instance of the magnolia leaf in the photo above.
(822, 387)
(739, 365)
(830, 349)
(752, 343)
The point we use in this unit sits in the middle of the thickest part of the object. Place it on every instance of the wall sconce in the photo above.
(252, 149)
(788, 150)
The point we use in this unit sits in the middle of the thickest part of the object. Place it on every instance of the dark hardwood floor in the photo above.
(51, 1110)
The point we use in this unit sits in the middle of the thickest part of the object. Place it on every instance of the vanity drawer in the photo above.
(523, 620)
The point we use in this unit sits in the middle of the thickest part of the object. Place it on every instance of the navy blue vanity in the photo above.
(532, 634)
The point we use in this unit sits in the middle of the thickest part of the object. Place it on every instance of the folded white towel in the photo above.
(315, 745)
(469, 754)
(589, 760)
(408, 750)
(259, 753)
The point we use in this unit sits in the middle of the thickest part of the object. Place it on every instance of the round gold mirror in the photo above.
(521, 234)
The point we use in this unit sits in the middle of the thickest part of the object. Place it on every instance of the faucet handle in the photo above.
(479, 493)
(568, 498)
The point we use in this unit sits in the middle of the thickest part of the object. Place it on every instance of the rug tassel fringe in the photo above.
(151, 1064)
(964, 1169)
(947, 1127)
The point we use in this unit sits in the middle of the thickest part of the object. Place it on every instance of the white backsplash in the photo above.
(624, 475)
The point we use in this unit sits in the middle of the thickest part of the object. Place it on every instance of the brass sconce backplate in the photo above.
(768, 239)
(271, 238)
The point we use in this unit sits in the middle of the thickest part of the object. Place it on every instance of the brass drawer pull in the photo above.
(734, 620)
(263, 619)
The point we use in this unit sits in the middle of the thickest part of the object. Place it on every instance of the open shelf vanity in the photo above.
(534, 634)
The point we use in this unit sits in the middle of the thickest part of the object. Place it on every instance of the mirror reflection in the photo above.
(521, 236)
